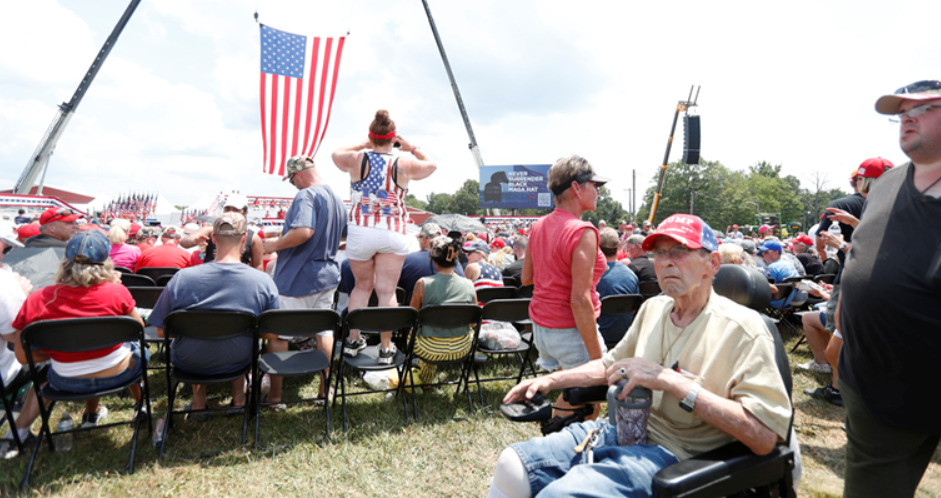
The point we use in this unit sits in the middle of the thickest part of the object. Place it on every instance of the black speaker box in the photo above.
(690, 139)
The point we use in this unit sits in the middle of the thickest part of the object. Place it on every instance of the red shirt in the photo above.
(553, 241)
(62, 301)
(167, 255)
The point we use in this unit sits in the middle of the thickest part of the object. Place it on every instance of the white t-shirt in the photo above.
(11, 299)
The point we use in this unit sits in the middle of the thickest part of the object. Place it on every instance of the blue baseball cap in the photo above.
(477, 245)
(88, 247)
(770, 245)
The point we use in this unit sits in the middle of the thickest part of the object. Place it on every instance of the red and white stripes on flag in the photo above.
(298, 81)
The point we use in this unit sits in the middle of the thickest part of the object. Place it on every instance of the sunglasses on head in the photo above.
(919, 87)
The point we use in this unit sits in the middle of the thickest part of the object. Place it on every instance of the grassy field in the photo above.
(449, 452)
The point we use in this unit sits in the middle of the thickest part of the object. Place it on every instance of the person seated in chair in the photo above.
(709, 362)
(224, 283)
(617, 279)
(86, 286)
(445, 286)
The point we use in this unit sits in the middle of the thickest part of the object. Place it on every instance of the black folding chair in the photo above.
(163, 280)
(825, 278)
(123, 270)
(487, 294)
(464, 317)
(295, 324)
(135, 280)
(209, 326)
(511, 282)
(156, 272)
(401, 321)
(649, 289)
(515, 311)
(618, 304)
(146, 297)
(7, 395)
(78, 335)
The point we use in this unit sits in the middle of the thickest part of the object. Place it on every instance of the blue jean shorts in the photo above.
(561, 349)
(81, 385)
(555, 469)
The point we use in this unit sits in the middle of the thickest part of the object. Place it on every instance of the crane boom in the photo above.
(40, 158)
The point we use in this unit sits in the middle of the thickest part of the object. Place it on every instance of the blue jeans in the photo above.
(82, 385)
(556, 470)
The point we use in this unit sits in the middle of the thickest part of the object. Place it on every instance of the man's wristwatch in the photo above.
(843, 246)
(689, 402)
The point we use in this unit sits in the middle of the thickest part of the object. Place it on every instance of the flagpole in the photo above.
(457, 93)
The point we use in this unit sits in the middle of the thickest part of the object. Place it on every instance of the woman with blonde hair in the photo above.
(86, 286)
(376, 244)
(122, 254)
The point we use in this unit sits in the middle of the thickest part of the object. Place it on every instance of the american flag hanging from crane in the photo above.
(298, 81)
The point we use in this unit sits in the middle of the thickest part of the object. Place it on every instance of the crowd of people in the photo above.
(709, 361)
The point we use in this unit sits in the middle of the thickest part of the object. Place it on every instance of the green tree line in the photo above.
(710, 190)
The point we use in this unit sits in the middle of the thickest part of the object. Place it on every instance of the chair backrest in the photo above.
(621, 304)
(649, 288)
(450, 315)
(487, 294)
(793, 280)
(826, 278)
(525, 291)
(157, 271)
(506, 310)
(298, 323)
(747, 287)
(831, 265)
(123, 269)
(146, 297)
(381, 319)
(744, 285)
(163, 280)
(209, 324)
(81, 334)
(134, 280)
(511, 282)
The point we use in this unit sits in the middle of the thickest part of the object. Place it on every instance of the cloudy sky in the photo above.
(175, 107)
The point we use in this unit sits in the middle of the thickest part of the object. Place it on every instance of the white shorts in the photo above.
(322, 300)
(362, 243)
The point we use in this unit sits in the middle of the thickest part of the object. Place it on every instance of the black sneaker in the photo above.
(826, 392)
(93, 419)
(352, 348)
(387, 355)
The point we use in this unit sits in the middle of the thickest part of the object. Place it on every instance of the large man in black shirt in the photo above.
(889, 312)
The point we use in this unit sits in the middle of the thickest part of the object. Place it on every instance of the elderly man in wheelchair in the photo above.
(711, 367)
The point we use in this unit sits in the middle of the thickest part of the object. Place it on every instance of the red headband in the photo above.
(387, 136)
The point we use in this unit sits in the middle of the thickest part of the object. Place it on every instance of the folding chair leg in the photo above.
(24, 486)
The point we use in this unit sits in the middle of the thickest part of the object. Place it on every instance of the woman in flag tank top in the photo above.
(376, 244)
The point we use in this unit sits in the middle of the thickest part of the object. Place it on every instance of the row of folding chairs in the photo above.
(86, 334)
(147, 276)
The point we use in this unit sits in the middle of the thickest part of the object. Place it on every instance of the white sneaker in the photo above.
(813, 366)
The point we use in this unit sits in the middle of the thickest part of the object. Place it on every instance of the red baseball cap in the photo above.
(134, 229)
(498, 243)
(64, 215)
(874, 167)
(687, 229)
(804, 239)
(26, 231)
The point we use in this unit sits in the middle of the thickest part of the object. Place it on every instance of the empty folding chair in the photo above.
(297, 324)
(401, 321)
